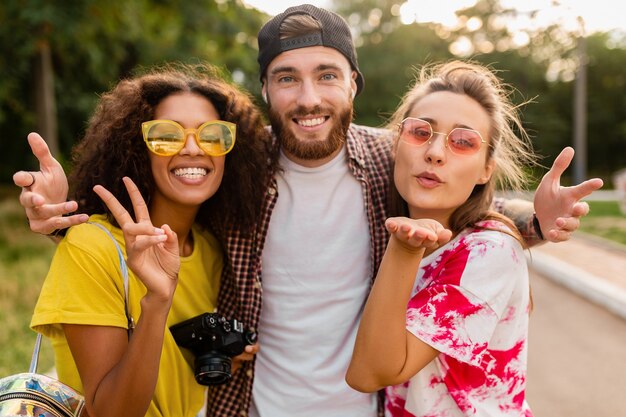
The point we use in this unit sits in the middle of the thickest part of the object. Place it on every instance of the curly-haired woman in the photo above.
(196, 150)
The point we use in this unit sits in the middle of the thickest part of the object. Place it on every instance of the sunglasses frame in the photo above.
(232, 128)
(445, 135)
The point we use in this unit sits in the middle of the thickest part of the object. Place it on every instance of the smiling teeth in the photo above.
(191, 173)
(311, 122)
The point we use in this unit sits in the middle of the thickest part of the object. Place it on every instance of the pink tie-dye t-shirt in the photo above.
(471, 302)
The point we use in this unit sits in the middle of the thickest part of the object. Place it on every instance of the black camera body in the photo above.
(214, 340)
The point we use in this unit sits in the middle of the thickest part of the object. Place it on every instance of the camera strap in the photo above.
(124, 270)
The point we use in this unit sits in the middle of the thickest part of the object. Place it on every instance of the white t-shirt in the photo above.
(470, 302)
(315, 279)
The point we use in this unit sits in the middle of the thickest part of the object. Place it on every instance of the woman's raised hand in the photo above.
(44, 192)
(152, 252)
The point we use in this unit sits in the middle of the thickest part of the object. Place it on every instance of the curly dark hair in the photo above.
(113, 145)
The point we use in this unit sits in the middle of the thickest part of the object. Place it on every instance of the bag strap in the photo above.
(34, 360)
(124, 269)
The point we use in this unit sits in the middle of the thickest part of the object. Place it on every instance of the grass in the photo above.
(24, 261)
(605, 220)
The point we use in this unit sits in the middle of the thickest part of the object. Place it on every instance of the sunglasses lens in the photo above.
(216, 139)
(415, 131)
(165, 139)
(464, 141)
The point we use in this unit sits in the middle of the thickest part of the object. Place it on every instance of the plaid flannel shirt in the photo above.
(369, 160)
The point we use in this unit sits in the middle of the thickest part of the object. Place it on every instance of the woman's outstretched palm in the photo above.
(418, 233)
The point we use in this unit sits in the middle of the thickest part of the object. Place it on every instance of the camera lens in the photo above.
(212, 369)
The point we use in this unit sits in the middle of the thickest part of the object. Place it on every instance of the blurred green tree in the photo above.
(83, 47)
(539, 62)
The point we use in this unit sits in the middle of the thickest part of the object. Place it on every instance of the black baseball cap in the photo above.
(333, 33)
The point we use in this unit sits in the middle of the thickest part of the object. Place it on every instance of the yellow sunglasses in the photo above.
(166, 137)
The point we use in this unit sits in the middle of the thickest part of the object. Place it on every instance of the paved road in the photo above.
(577, 356)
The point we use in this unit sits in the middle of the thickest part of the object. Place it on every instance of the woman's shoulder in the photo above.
(85, 255)
(493, 232)
(92, 236)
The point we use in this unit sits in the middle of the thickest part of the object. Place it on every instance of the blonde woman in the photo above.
(445, 327)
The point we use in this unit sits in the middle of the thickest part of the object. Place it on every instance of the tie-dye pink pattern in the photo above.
(471, 303)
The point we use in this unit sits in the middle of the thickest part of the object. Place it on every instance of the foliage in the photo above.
(607, 106)
(369, 17)
(541, 70)
(386, 80)
(94, 43)
(24, 261)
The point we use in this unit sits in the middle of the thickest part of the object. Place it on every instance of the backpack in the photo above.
(30, 394)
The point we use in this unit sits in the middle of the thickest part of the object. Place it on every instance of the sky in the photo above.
(598, 15)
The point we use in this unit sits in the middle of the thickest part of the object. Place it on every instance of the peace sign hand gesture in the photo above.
(152, 252)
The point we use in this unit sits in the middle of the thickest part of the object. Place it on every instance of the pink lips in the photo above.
(428, 180)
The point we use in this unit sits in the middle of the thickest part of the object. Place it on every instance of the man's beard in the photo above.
(311, 149)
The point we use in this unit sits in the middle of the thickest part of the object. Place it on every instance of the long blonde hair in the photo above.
(510, 151)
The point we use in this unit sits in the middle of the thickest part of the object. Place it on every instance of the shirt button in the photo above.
(249, 373)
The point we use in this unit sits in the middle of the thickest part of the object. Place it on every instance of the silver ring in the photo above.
(32, 183)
